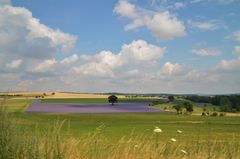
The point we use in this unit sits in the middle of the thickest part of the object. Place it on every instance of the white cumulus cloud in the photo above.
(14, 64)
(162, 25)
(206, 52)
(23, 36)
(70, 59)
(179, 5)
(229, 65)
(45, 66)
(140, 51)
(236, 35)
(237, 50)
(136, 54)
(205, 25)
(126, 9)
(170, 69)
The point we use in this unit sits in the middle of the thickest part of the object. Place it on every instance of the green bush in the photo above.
(222, 114)
(214, 114)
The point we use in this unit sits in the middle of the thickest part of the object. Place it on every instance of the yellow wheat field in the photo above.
(60, 95)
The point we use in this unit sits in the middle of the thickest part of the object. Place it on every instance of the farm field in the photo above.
(119, 125)
(65, 108)
(128, 130)
(56, 95)
(141, 122)
(96, 100)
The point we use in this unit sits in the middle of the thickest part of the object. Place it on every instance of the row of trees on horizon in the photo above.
(226, 103)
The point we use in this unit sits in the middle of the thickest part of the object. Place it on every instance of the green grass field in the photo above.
(15, 105)
(123, 131)
(118, 125)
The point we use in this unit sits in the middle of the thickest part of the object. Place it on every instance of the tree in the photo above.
(225, 104)
(112, 99)
(178, 108)
(171, 98)
(188, 106)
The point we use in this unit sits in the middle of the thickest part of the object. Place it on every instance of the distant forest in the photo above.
(227, 103)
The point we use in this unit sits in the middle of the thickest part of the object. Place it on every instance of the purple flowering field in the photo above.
(38, 107)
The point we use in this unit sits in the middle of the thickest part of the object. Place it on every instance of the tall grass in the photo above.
(145, 147)
(15, 143)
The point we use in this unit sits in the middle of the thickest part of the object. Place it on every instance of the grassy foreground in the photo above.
(116, 135)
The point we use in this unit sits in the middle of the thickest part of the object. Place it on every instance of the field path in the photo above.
(37, 107)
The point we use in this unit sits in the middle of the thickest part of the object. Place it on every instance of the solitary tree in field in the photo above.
(112, 99)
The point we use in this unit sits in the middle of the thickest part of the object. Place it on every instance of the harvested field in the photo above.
(58, 95)
(78, 95)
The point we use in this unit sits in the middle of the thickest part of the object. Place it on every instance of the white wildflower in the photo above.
(183, 151)
(179, 131)
(173, 139)
(157, 130)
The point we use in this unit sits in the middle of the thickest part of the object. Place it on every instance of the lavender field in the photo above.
(38, 107)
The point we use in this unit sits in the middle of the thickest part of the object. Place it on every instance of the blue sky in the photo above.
(99, 28)
(146, 46)
(93, 21)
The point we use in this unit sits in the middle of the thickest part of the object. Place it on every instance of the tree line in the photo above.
(226, 103)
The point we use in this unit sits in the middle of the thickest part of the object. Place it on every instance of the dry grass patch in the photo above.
(56, 95)
(78, 95)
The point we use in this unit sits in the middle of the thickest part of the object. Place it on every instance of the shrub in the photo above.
(204, 109)
(214, 114)
(222, 114)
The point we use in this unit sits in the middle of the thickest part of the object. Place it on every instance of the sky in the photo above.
(128, 46)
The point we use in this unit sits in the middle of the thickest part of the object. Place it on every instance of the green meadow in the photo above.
(116, 126)
(116, 135)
